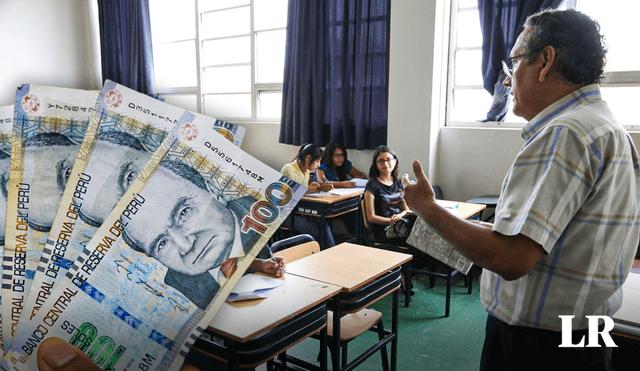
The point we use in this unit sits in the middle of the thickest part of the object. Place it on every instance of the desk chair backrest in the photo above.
(299, 251)
(367, 225)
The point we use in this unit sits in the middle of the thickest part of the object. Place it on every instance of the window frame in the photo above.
(199, 89)
(612, 79)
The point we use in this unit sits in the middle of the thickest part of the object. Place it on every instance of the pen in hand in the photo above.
(273, 257)
(324, 180)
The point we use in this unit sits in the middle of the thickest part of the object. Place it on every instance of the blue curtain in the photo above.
(336, 73)
(501, 22)
(125, 43)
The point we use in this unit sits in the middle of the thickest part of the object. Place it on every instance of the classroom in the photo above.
(58, 43)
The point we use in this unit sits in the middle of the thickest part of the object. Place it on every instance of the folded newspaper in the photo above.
(49, 125)
(167, 256)
(123, 133)
(425, 238)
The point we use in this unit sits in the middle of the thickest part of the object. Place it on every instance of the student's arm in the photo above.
(320, 176)
(314, 187)
(344, 184)
(378, 219)
(509, 256)
(355, 173)
(324, 187)
(268, 266)
(323, 184)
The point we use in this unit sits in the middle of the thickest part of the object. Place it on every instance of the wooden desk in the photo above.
(365, 274)
(248, 333)
(462, 210)
(328, 206)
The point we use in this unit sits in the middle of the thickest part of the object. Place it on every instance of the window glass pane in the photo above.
(270, 48)
(269, 104)
(186, 101)
(226, 23)
(269, 14)
(166, 15)
(622, 101)
(175, 64)
(615, 18)
(227, 51)
(227, 79)
(217, 4)
(470, 104)
(228, 105)
(468, 32)
(468, 67)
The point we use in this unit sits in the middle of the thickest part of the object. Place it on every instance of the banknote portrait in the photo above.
(189, 228)
(51, 156)
(116, 160)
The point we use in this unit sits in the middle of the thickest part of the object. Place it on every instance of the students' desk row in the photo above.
(350, 276)
(329, 206)
(248, 333)
(365, 275)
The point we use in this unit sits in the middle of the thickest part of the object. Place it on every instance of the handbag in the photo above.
(400, 229)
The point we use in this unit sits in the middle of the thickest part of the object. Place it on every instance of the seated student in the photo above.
(336, 166)
(299, 170)
(383, 195)
(386, 209)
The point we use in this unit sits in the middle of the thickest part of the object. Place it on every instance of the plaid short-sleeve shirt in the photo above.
(574, 188)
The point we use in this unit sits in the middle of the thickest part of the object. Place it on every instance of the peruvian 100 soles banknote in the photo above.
(167, 256)
(48, 126)
(6, 128)
(125, 130)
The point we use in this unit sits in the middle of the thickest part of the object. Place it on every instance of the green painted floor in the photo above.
(427, 340)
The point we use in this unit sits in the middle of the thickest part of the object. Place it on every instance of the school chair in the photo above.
(352, 325)
(366, 237)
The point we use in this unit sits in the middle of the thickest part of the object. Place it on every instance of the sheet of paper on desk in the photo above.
(360, 183)
(344, 191)
(424, 238)
(253, 286)
(335, 191)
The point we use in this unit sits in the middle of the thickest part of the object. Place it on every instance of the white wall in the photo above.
(48, 43)
(414, 81)
(57, 43)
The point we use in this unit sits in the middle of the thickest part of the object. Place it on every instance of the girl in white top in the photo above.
(299, 170)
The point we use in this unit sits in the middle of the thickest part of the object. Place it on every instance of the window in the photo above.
(222, 58)
(468, 101)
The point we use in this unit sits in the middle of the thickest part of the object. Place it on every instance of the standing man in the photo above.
(566, 226)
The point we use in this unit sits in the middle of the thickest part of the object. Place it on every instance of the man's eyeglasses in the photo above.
(509, 62)
(387, 160)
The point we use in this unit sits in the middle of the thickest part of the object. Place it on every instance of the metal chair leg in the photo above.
(383, 350)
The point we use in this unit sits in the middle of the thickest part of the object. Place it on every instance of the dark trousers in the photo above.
(518, 348)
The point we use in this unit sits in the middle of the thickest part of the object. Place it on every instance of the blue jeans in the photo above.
(303, 225)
